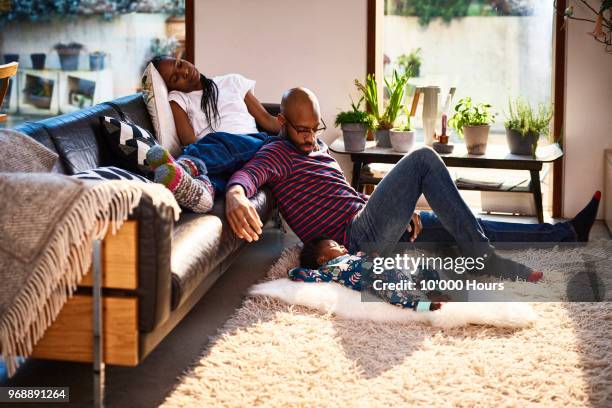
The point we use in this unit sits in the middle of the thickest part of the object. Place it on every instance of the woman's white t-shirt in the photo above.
(234, 116)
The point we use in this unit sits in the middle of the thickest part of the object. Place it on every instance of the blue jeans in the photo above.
(221, 154)
(383, 220)
(496, 231)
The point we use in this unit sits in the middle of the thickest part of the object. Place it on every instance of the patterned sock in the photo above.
(189, 166)
(583, 221)
(158, 156)
(195, 194)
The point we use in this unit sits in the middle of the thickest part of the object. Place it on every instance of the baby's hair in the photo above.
(309, 254)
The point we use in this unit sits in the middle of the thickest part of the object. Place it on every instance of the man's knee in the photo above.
(424, 152)
(425, 155)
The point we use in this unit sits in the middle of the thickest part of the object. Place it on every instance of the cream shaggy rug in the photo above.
(274, 354)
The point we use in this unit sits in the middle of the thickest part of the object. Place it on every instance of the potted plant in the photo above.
(38, 60)
(69, 55)
(96, 60)
(402, 137)
(355, 124)
(385, 120)
(472, 122)
(524, 126)
(8, 58)
(411, 62)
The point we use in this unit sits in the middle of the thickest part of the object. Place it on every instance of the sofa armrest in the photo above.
(154, 269)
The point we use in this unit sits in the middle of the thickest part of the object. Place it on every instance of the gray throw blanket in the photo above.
(47, 226)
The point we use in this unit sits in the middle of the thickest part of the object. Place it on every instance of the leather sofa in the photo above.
(176, 262)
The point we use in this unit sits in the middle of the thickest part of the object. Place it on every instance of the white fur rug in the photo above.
(274, 354)
(330, 297)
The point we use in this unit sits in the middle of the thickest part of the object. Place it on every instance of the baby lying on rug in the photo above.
(324, 260)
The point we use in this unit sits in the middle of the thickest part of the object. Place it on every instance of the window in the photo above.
(491, 50)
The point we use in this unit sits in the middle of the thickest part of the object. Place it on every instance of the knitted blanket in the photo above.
(48, 223)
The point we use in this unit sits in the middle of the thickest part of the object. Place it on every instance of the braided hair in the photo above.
(210, 94)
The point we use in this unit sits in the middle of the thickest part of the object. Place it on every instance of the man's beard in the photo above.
(300, 146)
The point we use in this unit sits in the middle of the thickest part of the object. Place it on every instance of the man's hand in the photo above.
(241, 214)
(418, 226)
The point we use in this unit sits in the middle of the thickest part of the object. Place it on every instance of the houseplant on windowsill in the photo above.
(355, 125)
(385, 120)
(402, 137)
(472, 121)
(525, 124)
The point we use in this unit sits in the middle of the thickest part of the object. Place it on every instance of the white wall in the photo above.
(282, 44)
(588, 113)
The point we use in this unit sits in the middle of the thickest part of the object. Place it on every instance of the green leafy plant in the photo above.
(525, 119)
(396, 88)
(68, 48)
(356, 115)
(447, 10)
(468, 113)
(369, 90)
(411, 62)
(47, 10)
(405, 126)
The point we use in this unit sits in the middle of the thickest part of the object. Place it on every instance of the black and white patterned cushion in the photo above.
(110, 173)
(130, 143)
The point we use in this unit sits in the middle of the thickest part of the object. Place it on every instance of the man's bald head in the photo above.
(300, 118)
(299, 102)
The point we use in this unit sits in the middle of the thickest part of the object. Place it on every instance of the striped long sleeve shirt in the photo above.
(312, 193)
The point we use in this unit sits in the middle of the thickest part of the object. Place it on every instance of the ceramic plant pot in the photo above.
(476, 138)
(402, 141)
(8, 58)
(522, 144)
(38, 60)
(382, 138)
(96, 62)
(69, 59)
(354, 135)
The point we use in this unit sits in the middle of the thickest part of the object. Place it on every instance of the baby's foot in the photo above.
(195, 194)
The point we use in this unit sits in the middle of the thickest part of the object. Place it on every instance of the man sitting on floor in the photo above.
(316, 200)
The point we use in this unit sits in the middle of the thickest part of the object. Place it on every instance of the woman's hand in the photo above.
(418, 226)
(242, 215)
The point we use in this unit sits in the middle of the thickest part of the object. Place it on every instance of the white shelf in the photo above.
(82, 89)
(66, 91)
(11, 96)
(45, 81)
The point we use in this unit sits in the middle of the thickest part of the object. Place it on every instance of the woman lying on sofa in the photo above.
(216, 121)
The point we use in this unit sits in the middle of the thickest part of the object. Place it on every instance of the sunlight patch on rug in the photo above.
(274, 354)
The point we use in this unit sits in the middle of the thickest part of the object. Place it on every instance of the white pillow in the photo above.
(155, 95)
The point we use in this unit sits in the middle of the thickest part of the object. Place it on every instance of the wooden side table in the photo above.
(497, 157)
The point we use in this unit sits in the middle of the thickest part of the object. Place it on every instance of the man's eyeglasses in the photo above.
(306, 131)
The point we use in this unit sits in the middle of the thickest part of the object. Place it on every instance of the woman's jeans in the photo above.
(382, 222)
(220, 154)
